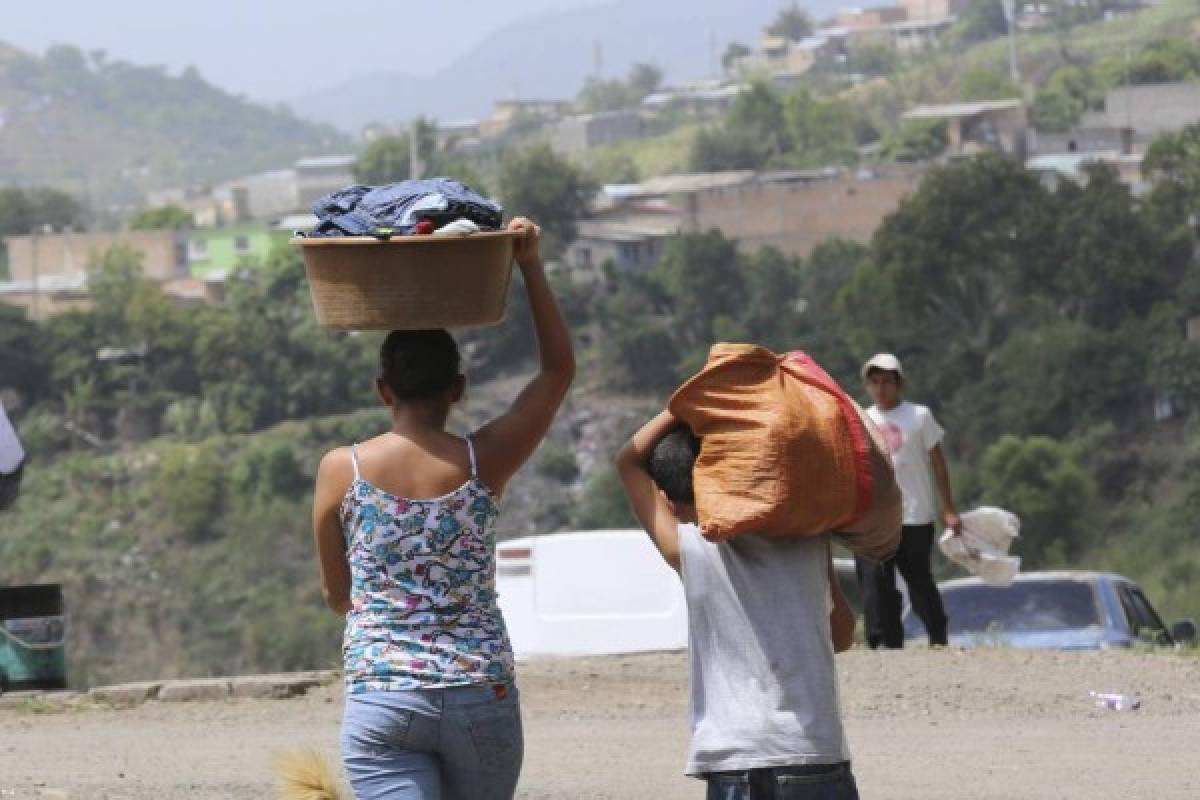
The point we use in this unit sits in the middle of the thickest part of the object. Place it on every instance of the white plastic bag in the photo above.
(987, 533)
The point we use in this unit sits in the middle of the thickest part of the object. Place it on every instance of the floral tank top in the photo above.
(423, 589)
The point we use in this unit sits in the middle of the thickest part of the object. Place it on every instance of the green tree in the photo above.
(603, 503)
(557, 462)
(386, 160)
(644, 79)
(701, 273)
(165, 217)
(1040, 480)
(917, 140)
(1053, 376)
(792, 23)
(190, 484)
(821, 132)
(1176, 372)
(1059, 104)
(773, 299)
(982, 19)
(951, 268)
(1113, 266)
(22, 361)
(614, 166)
(760, 112)
(538, 183)
(873, 59)
(987, 84)
(22, 210)
(25, 210)
(1172, 165)
(828, 268)
(733, 52)
(637, 354)
(270, 471)
(114, 278)
(598, 94)
(719, 149)
(1164, 61)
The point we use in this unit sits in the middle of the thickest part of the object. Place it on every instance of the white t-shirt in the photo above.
(11, 452)
(911, 432)
(763, 685)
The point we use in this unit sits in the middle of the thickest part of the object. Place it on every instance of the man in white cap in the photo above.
(915, 440)
(12, 460)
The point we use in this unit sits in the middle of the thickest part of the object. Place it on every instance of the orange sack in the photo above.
(785, 452)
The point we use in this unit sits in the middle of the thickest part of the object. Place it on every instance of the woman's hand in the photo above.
(527, 248)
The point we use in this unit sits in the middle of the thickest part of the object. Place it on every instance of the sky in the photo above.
(269, 49)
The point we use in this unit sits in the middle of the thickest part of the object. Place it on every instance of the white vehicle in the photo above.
(589, 593)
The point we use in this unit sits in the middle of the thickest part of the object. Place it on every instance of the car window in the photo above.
(1141, 614)
(1023, 606)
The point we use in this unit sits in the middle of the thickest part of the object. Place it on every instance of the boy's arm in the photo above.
(841, 619)
(941, 474)
(647, 502)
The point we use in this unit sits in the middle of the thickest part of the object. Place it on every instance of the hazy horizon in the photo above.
(224, 39)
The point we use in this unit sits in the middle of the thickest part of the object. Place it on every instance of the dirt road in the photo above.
(932, 725)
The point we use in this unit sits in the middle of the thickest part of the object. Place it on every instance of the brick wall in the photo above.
(796, 216)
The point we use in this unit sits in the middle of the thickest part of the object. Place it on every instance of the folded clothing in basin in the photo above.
(397, 208)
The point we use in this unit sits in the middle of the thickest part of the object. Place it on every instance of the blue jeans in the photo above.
(463, 743)
(811, 782)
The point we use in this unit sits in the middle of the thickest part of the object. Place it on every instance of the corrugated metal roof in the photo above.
(951, 110)
(316, 162)
(691, 182)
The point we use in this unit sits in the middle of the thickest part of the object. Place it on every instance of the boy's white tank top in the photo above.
(763, 683)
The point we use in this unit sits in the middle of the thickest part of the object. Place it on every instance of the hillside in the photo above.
(944, 76)
(212, 571)
(110, 130)
(551, 56)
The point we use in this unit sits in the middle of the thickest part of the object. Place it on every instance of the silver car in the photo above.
(1068, 610)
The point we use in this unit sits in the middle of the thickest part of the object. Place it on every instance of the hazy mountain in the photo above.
(109, 130)
(550, 56)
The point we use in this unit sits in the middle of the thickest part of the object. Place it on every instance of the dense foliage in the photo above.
(1044, 326)
(1073, 89)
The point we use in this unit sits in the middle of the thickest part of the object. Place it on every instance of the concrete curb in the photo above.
(274, 686)
(188, 691)
(127, 694)
(269, 686)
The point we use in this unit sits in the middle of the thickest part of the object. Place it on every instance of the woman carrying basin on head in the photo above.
(405, 530)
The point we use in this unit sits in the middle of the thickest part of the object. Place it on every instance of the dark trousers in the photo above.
(881, 600)
(813, 782)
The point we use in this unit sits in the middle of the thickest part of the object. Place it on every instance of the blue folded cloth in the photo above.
(396, 209)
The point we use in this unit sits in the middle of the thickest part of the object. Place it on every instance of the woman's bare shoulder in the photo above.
(335, 464)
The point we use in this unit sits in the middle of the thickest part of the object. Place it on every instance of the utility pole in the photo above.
(1128, 93)
(33, 243)
(414, 152)
(1010, 17)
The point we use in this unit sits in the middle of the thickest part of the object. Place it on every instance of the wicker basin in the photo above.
(409, 282)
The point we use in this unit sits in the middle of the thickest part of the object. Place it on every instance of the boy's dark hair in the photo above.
(671, 464)
(419, 365)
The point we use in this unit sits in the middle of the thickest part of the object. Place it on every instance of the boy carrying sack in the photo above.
(765, 614)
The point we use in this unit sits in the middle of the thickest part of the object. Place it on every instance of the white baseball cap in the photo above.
(884, 361)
